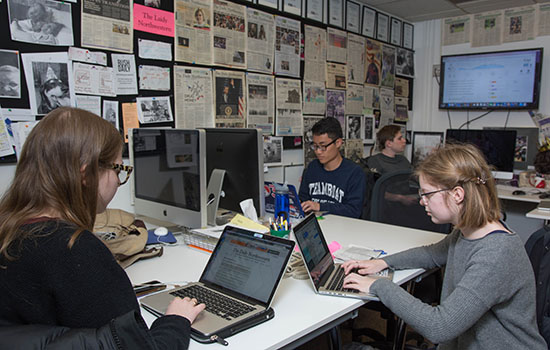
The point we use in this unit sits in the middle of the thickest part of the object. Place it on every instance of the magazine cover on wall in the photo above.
(273, 150)
(10, 74)
(336, 105)
(373, 62)
(388, 66)
(369, 129)
(353, 127)
(405, 62)
(41, 22)
(110, 112)
(50, 81)
(423, 143)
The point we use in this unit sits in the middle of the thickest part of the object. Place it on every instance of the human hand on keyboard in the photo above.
(364, 267)
(186, 307)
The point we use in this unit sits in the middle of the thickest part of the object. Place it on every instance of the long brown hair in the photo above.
(464, 165)
(58, 171)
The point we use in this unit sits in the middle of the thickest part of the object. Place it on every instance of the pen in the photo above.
(200, 248)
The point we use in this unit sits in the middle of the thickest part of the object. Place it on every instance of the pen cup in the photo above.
(280, 233)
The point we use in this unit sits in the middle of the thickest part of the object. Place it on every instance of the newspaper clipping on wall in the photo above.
(337, 76)
(289, 107)
(193, 39)
(261, 102)
(455, 30)
(487, 28)
(315, 53)
(309, 154)
(124, 67)
(356, 59)
(401, 87)
(519, 24)
(93, 80)
(261, 41)
(154, 78)
(373, 62)
(230, 99)
(154, 109)
(193, 97)
(388, 66)
(336, 105)
(354, 99)
(287, 47)
(314, 97)
(229, 34)
(107, 24)
(543, 19)
(337, 45)
(372, 97)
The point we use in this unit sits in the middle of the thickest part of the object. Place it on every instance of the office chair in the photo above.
(395, 201)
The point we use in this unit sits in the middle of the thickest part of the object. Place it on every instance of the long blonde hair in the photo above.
(464, 165)
(58, 171)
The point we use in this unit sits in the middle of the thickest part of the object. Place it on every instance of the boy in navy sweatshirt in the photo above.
(331, 182)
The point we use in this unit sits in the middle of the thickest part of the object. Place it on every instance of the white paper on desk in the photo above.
(155, 50)
(215, 231)
(355, 252)
(247, 206)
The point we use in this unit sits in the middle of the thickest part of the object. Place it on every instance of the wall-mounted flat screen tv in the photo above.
(491, 80)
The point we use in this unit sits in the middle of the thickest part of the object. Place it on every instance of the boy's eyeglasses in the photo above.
(321, 148)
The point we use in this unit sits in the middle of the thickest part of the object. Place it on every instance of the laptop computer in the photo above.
(327, 277)
(237, 284)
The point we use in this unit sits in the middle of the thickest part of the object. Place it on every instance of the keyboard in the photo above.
(338, 279)
(198, 240)
(216, 303)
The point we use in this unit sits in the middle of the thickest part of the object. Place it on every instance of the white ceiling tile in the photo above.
(490, 5)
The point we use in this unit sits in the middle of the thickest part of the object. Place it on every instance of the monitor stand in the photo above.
(214, 192)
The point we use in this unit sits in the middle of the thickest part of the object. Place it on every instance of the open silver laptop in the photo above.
(237, 284)
(327, 277)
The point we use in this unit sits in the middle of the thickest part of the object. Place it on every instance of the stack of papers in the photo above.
(354, 252)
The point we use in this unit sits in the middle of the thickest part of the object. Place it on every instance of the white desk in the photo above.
(521, 210)
(298, 310)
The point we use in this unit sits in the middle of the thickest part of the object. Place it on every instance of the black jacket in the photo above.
(128, 331)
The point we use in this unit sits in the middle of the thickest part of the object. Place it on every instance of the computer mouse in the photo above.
(161, 231)
(518, 193)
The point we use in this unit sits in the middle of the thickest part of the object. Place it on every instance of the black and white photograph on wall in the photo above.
(110, 112)
(423, 143)
(353, 150)
(43, 22)
(153, 3)
(336, 105)
(10, 74)
(49, 81)
(353, 127)
(154, 109)
(369, 134)
(405, 62)
(273, 150)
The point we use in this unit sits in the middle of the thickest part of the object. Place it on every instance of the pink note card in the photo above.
(152, 20)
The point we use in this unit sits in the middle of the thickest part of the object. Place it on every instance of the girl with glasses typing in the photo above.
(55, 274)
(488, 293)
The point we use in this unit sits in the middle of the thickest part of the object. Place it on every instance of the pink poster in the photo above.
(154, 21)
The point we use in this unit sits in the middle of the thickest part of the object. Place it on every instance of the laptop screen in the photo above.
(314, 248)
(248, 263)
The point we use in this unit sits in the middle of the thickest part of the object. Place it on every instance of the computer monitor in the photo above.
(239, 152)
(498, 147)
(170, 175)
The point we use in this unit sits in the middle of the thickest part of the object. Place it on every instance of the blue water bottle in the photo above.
(281, 201)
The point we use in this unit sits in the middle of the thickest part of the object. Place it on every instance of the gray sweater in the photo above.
(487, 299)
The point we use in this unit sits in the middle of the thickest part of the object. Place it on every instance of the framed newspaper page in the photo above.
(382, 27)
(293, 6)
(336, 13)
(353, 17)
(369, 22)
(408, 36)
(396, 31)
(315, 10)
(274, 4)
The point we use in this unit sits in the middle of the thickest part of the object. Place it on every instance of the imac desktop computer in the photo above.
(170, 175)
(498, 147)
(235, 168)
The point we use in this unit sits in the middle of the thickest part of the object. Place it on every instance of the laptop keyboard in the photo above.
(338, 280)
(216, 303)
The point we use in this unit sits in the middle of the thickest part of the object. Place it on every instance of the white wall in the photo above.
(428, 51)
